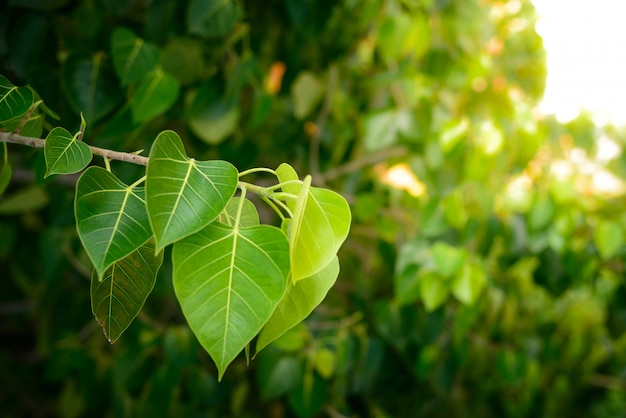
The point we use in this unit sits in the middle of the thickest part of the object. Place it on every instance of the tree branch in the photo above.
(39, 143)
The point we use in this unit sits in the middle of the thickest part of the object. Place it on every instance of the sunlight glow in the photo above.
(585, 42)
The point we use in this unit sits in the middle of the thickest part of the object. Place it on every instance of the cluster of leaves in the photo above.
(234, 277)
(483, 274)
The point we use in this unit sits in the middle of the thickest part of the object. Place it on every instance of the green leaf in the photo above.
(132, 57)
(91, 86)
(381, 129)
(325, 362)
(609, 238)
(212, 116)
(5, 168)
(14, 101)
(249, 215)
(184, 195)
(433, 290)
(278, 374)
(321, 222)
(469, 283)
(286, 173)
(212, 18)
(228, 281)
(448, 259)
(156, 93)
(26, 200)
(300, 300)
(119, 296)
(111, 217)
(306, 92)
(403, 34)
(64, 153)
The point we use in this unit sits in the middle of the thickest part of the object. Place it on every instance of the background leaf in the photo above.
(301, 299)
(91, 86)
(156, 93)
(212, 18)
(133, 58)
(5, 168)
(184, 195)
(64, 153)
(111, 217)
(124, 288)
(228, 281)
(249, 215)
(14, 101)
(26, 200)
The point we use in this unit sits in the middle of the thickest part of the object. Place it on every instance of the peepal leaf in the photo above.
(287, 174)
(228, 281)
(321, 222)
(119, 296)
(111, 217)
(184, 195)
(64, 153)
(299, 301)
(249, 215)
(132, 57)
(212, 18)
(14, 101)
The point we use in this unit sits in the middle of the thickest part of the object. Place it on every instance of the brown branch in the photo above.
(39, 143)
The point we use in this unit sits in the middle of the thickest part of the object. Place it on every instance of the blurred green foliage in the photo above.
(484, 271)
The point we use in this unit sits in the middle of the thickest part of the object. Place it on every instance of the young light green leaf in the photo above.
(228, 281)
(286, 173)
(111, 217)
(184, 195)
(132, 57)
(321, 222)
(433, 290)
(299, 301)
(120, 295)
(14, 101)
(64, 153)
(156, 93)
(5, 168)
(248, 217)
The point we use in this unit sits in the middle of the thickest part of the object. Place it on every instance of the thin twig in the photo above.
(362, 162)
(39, 143)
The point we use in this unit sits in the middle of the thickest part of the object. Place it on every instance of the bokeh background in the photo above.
(484, 272)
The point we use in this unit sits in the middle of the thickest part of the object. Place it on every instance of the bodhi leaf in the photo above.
(111, 217)
(184, 195)
(228, 281)
(14, 101)
(132, 57)
(212, 18)
(299, 301)
(321, 222)
(249, 215)
(64, 153)
(287, 174)
(120, 295)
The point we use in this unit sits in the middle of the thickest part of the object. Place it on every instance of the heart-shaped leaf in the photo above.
(228, 281)
(14, 101)
(287, 174)
(111, 217)
(120, 295)
(249, 215)
(184, 195)
(64, 153)
(299, 301)
(321, 222)
(212, 18)
(156, 93)
(132, 57)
